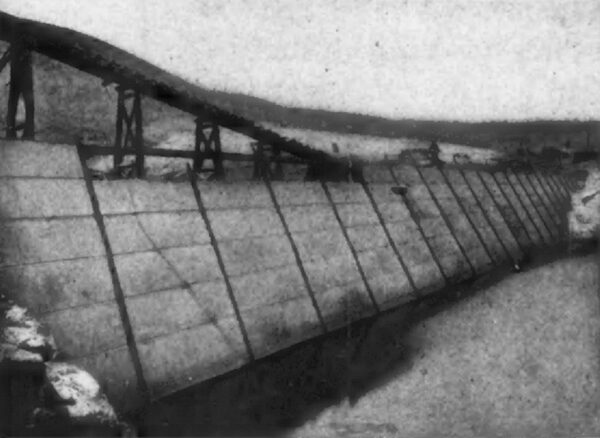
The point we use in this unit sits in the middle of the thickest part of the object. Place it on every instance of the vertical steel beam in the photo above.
(464, 211)
(14, 93)
(139, 135)
(119, 295)
(351, 247)
(515, 208)
(118, 154)
(556, 196)
(564, 203)
(556, 212)
(21, 87)
(259, 167)
(561, 185)
(215, 245)
(543, 203)
(208, 147)
(5, 59)
(444, 216)
(263, 158)
(566, 183)
(198, 153)
(215, 138)
(530, 217)
(288, 233)
(130, 123)
(530, 199)
(487, 218)
(278, 172)
(555, 187)
(508, 223)
(390, 239)
(417, 222)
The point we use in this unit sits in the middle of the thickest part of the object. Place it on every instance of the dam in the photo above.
(157, 285)
(154, 286)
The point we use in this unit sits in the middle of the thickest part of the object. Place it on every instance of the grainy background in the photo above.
(463, 60)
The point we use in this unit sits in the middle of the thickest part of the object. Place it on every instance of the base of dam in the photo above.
(515, 355)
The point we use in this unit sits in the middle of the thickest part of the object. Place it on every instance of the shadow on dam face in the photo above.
(283, 391)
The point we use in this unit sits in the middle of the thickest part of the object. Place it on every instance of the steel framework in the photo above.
(21, 87)
(129, 119)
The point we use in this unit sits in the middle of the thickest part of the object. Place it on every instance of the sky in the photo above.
(467, 60)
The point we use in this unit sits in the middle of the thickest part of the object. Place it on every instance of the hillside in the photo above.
(419, 60)
(72, 104)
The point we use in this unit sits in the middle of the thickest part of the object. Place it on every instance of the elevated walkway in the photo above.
(295, 130)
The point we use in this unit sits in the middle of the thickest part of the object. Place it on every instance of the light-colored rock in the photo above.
(81, 391)
(22, 337)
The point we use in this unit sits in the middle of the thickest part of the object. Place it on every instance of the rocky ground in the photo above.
(39, 394)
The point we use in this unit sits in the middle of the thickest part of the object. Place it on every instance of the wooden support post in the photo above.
(133, 135)
(21, 87)
(208, 147)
